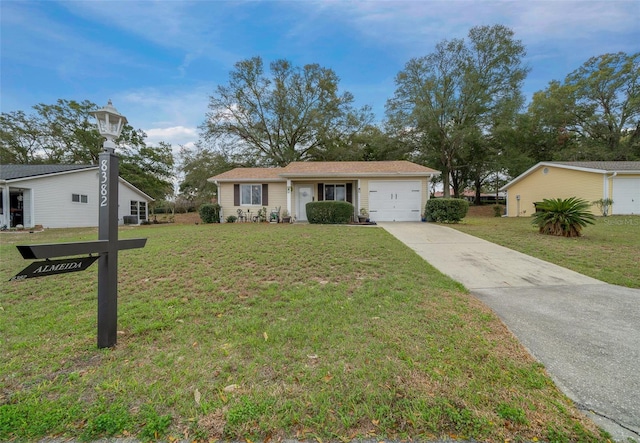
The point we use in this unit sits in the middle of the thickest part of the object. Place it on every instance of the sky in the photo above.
(160, 61)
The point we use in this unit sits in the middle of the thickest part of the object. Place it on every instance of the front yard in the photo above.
(258, 331)
(609, 250)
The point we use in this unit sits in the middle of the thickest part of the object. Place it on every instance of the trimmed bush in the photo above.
(210, 213)
(563, 217)
(329, 212)
(446, 210)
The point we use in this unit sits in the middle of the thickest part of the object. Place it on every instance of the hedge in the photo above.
(446, 210)
(210, 213)
(329, 212)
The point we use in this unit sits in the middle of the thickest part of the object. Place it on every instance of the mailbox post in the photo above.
(110, 124)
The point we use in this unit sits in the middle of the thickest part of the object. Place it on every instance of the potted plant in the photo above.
(286, 218)
(364, 216)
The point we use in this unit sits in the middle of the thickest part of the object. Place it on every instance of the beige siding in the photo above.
(278, 193)
(556, 183)
(277, 197)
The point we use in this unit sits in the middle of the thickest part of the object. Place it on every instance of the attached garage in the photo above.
(626, 196)
(590, 181)
(395, 200)
(383, 190)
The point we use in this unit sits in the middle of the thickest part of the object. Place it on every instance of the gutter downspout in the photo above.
(607, 188)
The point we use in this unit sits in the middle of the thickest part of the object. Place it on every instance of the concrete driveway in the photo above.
(585, 332)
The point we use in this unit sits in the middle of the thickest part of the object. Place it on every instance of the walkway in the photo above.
(585, 332)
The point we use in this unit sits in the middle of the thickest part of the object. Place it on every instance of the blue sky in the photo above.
(159, 61)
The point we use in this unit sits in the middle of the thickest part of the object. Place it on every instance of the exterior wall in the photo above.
(51, 199)
(278, 193)
(277, 197)
(360, 198)
(125, 196)
(51, 205)
(556, 183)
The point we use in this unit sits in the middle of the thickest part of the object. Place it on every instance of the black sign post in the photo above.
(109, 124)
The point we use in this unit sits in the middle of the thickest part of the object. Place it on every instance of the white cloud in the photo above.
(176, 135)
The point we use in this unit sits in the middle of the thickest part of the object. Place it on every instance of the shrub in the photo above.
(329, 212)
(446, 210)
(603, 205)
(498, 210)
(563, 217)
(210, 213)
(231, 219)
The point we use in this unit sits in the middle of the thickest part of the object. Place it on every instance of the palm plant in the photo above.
(563, 217)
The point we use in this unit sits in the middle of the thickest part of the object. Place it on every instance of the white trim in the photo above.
(564, 166)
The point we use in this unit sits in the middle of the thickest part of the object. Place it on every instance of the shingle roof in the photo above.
(605, 166)
(327, 169)
(11, 172)
(250, 174)
(399, 167)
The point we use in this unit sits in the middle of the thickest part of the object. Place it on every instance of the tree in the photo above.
(198, 165)
(445, 99)
(149, 168)
(594, 114)
(292, 114)
(64, 133)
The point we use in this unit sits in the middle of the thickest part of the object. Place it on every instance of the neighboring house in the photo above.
(388, 190)
(61, 196)
(591, 181)
(470, 196)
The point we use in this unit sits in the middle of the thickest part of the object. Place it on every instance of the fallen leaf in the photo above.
(266, 337)
(196, 396)
(230, 388)
(327, 378)
(195, 343)
(375, 422)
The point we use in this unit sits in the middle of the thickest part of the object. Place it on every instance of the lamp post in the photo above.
(110, 124)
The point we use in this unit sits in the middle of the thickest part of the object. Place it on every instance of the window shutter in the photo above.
(265, 194)
(320, 192)
(236, 195)
(350, 192)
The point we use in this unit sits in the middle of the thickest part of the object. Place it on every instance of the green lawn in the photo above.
(248, 331)
(609, 250)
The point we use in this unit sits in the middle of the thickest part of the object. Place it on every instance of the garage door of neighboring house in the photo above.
(626, 196)
(395, 200)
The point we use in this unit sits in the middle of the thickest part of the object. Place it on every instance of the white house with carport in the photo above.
(62, 196)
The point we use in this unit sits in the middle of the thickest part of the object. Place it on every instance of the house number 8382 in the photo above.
(104, 193)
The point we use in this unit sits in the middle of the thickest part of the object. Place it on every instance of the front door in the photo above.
(303, 197)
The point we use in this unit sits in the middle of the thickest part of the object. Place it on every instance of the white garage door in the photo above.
(626, 196)
(395, 200)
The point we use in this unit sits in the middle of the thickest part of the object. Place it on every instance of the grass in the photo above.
(258, 331)
(609, 250)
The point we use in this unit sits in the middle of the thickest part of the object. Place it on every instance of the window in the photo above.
(335, 192)
(139, 209)
(251, 195)
(134, 208)
(79, 198)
